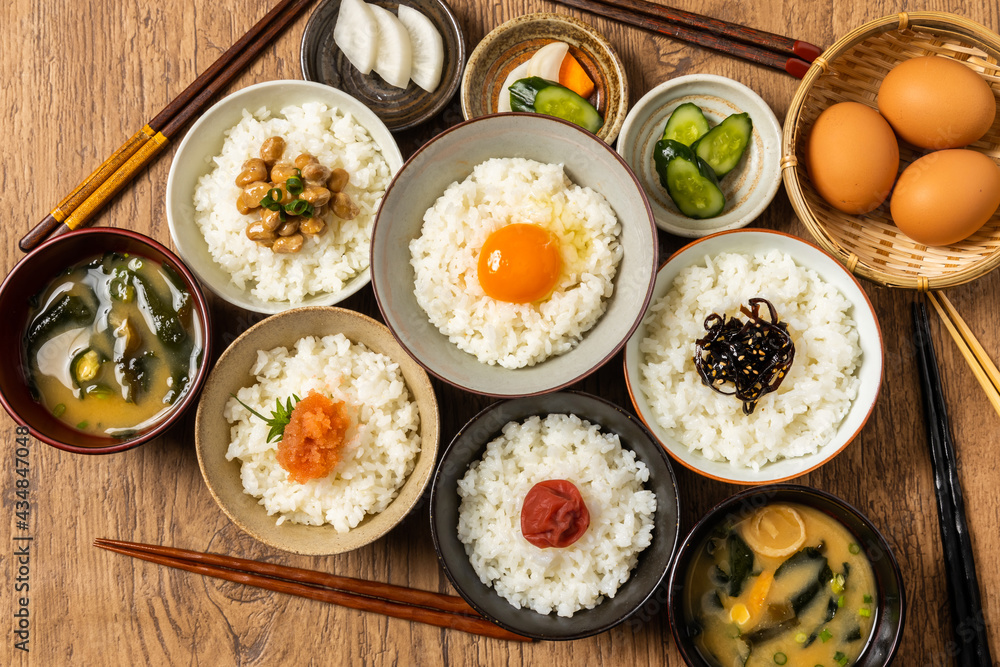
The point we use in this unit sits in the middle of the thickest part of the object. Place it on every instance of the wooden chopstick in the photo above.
(701, 32)
(960, 568)
(982, 366)
(89, 196)
(446, 611)
(740, 33)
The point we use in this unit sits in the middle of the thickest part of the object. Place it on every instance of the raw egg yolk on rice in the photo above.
(519, 263)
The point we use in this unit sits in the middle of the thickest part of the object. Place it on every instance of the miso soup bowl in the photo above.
(890, 605)
(32, 275)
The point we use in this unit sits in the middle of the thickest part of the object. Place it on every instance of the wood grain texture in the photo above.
(80, 77)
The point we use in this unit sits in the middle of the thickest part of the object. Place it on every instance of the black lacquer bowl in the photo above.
(644, 580)
(890, 608)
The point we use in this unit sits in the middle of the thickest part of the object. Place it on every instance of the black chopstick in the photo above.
(697, 33)
(960, 566)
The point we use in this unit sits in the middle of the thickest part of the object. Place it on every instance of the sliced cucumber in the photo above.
(426, 46)
(687, 124)
(546, 97)
(724, 145)
(689, 180)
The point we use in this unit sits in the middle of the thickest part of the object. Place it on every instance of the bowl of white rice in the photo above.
(825, 396)
(469, 186)
(209, 231)
(557, 592)
(389, 446)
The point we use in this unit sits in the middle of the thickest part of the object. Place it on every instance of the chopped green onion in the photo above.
(865, 611)
(294, 185)
(854, 548)
(867, 599)
(825, 635)
(840, 658)
(780, 658)
(801, 638)
(272, 200)
(82, 425)
(840, 602)
(59, 410)
(299, 207)
(837, 583)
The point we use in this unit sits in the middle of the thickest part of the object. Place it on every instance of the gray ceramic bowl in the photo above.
(887, 632)
(515, 41)
(450, 157)
(749, 188)
(469, 445)
(204, 141)
(234, 371)
(398, 108)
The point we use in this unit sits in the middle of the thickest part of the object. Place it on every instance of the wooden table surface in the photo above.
(79, 77)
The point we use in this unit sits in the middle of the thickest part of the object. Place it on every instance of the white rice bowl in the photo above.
(383, 440)
(806, 410)
(610, 480)
(445, 256)
(326, 263)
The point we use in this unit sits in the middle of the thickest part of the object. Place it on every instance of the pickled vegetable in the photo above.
(536, 95)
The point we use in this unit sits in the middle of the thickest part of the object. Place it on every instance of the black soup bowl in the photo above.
(38, 270)
(889, 606)
(653, 562)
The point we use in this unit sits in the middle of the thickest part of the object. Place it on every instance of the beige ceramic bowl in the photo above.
(234, 371)
(515, 41)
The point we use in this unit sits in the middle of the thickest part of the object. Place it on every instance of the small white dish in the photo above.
(204, 140)
(749, 188)
(869, 372)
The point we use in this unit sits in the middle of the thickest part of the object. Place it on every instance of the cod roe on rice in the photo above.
(380, 443)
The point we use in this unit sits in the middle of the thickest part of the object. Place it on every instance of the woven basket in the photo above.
(851, 70)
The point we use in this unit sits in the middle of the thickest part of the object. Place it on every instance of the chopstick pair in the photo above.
(764, 48)
(444, 611)
(982, 367)
(960, 565)
(80, 206)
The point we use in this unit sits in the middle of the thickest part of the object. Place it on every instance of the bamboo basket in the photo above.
(851, 70)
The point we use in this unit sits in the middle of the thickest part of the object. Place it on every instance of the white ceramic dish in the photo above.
(749, 188)
(194, 159)
(869, 373)
(450, 157)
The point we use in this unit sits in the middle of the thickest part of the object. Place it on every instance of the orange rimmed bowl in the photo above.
(869, 371)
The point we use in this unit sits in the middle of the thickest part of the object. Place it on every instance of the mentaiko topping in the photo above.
(314, 438)
(754, 356)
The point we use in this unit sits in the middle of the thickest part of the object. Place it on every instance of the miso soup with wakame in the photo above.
(112, 344)
(789, 585)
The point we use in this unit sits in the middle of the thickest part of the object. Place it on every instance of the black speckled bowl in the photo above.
(398, 108)
(469, 446)
(887, 633)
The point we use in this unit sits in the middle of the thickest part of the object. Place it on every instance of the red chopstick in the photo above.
(446, 611)
(89, 197)
(763, 48)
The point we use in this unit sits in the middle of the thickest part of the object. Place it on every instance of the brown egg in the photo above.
(852, 157)
(935, 102)
(946, 196)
